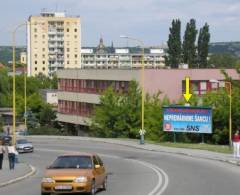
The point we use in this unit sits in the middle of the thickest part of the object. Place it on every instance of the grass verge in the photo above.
(199, 146)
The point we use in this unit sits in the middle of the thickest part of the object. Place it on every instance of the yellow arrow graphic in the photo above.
(187, 95)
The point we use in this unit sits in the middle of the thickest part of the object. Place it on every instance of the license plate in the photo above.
(63, 187)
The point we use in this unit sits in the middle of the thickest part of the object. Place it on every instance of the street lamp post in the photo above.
(142, 130)
(14, 81)
(230, 112)
(14, 78)
(230, 108)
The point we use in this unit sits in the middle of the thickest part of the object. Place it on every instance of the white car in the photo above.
(23, 145)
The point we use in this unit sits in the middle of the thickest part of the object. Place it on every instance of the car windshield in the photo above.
(72, 162)
(23, 141)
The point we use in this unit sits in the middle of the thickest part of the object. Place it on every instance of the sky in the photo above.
(147, 20)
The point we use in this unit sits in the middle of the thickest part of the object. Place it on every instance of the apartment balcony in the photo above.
(52, 45)
(52, 58)
(124, 59)
(56, 65)
(60, 59)
(60, 27)
(60, 52)
(55, 38)
(52, 32)
(52, 52)
(60, 46)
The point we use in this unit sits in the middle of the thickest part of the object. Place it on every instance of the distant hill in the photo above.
(218, 47)
(225, 47)
(6, 53)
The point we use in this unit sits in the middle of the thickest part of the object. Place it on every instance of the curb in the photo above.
(232, 162)
(32, 172)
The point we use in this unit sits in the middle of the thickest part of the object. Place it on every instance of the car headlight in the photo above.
(47, 180)
(80, 179)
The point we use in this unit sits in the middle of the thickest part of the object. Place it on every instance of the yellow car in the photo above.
(75, 173)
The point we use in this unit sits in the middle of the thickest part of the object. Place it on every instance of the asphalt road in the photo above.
(136, 172)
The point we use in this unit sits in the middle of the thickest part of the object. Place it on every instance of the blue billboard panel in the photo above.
(187, 119)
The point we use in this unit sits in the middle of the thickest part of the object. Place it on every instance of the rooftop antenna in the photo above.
(56, 9)
(43, 9)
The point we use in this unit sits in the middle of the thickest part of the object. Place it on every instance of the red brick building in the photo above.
(80, 89)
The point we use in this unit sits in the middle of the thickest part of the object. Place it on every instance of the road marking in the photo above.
(163, 179)
(15, 180)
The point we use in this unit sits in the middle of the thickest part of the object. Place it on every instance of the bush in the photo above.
(46, 131)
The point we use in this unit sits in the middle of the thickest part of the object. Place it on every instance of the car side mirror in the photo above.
(97, 166)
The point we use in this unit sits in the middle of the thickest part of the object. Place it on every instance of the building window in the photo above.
(43, 68)
(36, 68)
(67, 55)
(67, 62)
(35, 36)
(76, 55)
(35, 62)
(43, 36)
(43, 55)
(35, 30)
(43, 49)
(35, 55)
(214, 85)
(75, 30)
(75, 36)
(68, 50)
(67, 29)
(43, 62)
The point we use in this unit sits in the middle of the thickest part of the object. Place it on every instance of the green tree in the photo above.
(32, 121)
(5, 88)
(118, 115)
(219, 101)
(189, 47)
(47, 115)
(107, 113)
(154, 117)
(174, 45)
(203, 46)
(131, 106)
(223, 61)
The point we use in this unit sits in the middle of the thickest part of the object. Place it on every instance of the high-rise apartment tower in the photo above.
(54, 42)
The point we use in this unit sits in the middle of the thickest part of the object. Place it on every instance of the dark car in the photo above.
(6, 139)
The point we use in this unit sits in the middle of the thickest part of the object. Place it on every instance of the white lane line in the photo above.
(166, 179)
(162, 176)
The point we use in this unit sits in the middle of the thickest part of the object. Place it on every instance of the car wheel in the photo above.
(45, 193)
(93, 188)
(104, 185)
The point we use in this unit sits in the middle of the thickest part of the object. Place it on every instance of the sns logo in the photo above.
(167, 126)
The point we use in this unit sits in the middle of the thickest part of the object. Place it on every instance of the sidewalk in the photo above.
(204, 154)
(20, 172)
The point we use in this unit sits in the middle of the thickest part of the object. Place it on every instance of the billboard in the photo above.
(187, 119)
